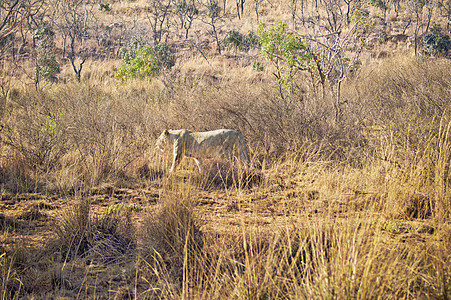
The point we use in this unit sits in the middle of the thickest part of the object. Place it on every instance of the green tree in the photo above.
(288, 53)
(165, 58)
(237, 41)
(46, 65)
(325, 56)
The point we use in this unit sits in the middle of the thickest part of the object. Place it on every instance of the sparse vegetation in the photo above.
(237, 41)
(46, 65)
(437, 42)
(352, 200)
(140, 61)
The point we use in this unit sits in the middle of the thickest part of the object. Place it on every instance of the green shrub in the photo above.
(383, 37)
(100, 239)
(436, 43)
(436, 28)
(165, 58)
(141, 61)
(279, 45)
(237, 41)
(213, 9)
(288, 53)
(379, 4)
(395, 227)
(46, 65)
(116, 208)
(257, 66)
(104, 6)
(182, 7)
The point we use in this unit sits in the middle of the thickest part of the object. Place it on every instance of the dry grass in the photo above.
(353, 209)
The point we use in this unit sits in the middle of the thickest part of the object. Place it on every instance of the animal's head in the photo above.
(163, 140)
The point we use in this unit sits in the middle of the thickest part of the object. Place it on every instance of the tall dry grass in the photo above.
(73, 136)
(318, 257)
(359, 256)
(358, 208)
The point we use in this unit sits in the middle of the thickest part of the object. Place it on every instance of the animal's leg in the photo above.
(175, 161)
(227, 151)
(198, 164)
(244, 156)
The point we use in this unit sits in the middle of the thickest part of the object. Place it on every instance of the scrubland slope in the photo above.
(348, 205)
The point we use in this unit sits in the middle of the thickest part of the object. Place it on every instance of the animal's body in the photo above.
(225, 143)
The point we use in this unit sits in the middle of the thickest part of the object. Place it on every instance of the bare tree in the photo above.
(350, 5)
(445, 11)
(293, 9)
(187, 12)
(416, 9)
(212, 17)
(158, 18)
(73, 22)
(429, 10)
(257, 6)
(13, 14)
(396, 6)
(335, 46)
(240, 7)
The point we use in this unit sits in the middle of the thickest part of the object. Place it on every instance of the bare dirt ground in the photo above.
(30, 218)
(29, 228)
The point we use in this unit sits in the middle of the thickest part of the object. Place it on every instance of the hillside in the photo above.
(345, 110)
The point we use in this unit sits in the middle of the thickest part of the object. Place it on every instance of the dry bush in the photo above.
(317, 225)
(83, 134)
(224, 174)
(267, 122)
(34, 130)
(144, 168)
(15, 176)
(417, 188)
(415, 177)
(439, 266)
(313, 259)
(13, 261)
(101, 240)
(172, 240)
(403, 88)
(156, 165)
(104, 132)
(331, 258)
(10, 284)
(391, 132)
(76, 135)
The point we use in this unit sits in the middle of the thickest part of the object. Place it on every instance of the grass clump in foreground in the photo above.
(312, 258)
(99, 239)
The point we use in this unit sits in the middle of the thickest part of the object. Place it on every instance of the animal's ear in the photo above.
(166, 132)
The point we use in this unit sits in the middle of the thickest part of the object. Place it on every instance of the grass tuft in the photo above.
(99, 239)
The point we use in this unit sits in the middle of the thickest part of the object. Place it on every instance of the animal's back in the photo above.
(214, 135)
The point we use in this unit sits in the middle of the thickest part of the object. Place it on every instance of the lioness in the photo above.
(217, 143)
